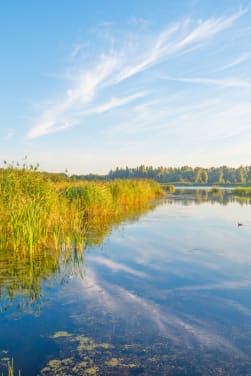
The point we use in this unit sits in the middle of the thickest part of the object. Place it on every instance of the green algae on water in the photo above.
(60, 334)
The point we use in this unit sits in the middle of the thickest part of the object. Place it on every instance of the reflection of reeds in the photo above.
(44, 223)
(10, 369)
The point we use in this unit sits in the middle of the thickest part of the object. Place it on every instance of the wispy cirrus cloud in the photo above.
(117, 102)
(225, 82)
(118, 267)
(61, 115)
(111, 69)
(240, 59)
(172, 324)
(177, 38)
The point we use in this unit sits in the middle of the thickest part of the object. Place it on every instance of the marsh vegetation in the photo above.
(44, 224)
(99, 307)
(37, 213)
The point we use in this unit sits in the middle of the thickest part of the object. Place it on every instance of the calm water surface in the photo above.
(168, 294)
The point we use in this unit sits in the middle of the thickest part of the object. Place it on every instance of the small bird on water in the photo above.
(240, 224)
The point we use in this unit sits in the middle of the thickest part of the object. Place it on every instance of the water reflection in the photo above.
(22, 277)
(167, 294)
(199, 196)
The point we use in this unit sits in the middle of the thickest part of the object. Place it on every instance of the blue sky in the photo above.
(91, 85)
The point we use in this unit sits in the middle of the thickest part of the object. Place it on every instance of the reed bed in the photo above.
(36, 213)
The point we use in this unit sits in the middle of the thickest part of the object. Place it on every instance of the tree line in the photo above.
(184, 174)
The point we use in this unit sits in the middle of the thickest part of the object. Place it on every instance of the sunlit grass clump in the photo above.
(28, 202)
(37, 213)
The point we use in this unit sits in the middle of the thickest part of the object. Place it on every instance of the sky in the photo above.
(90, 85)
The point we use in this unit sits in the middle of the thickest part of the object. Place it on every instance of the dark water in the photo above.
(169, 294)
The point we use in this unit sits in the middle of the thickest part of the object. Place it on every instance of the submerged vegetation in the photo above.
(85, 356)
(10, 368)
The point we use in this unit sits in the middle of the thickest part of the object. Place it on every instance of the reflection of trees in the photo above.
(188, 197)
(23, 276)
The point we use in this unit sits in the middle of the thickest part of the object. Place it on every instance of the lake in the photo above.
(164, 293)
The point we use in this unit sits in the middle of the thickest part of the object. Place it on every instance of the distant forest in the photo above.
(185, 174)
(172, 175)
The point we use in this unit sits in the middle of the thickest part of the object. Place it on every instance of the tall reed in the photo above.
(36, 213)
(42, 222)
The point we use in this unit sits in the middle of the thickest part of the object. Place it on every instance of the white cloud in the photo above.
(157, 51)
(118, 267)
(210, 27)
(225, 82)
(240, 59)
(61, 115)
(120, 65)
(172, 40)
(117, 102)
(172, 324)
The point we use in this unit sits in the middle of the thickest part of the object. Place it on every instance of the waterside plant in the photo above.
(46, 224)
(37, 213)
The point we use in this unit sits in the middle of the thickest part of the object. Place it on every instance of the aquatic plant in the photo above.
(10, 369)
(87, 357)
